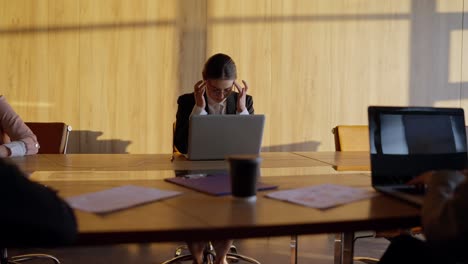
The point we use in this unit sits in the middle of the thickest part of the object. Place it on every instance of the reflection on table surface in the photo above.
(146, 162)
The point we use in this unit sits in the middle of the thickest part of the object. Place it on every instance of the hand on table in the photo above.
(421, 179)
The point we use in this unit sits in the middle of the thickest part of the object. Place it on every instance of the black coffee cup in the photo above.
(244, 171)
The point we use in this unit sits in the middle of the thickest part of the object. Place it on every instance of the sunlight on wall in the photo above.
(448, 6)
(455, 57)
(339, 7)
(447, 103)
(16, 104)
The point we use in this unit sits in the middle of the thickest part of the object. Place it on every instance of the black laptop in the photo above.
(407, 141)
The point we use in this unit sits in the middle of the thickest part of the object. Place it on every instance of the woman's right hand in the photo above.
(4, 151)
(421, 179)
(199, 91)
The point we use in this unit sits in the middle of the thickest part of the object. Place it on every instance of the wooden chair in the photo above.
(353, 138)
(4, 259)
(52, 136)
(175, 151)
(53, 139)
(209, 256)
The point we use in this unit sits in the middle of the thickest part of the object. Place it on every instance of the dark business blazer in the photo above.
(32, 215)
(186, 103)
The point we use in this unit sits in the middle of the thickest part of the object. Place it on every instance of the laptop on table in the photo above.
(407, 141)
(213, 137)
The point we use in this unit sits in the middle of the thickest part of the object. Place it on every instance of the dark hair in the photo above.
(219, 66)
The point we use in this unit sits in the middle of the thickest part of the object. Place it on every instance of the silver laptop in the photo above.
(213, 137)
(407, 141)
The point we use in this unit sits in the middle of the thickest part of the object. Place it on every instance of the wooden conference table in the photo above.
(194, 215)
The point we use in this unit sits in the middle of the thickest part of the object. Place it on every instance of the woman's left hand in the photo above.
(242, 96)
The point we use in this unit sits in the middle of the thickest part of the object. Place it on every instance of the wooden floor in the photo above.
(317, 249)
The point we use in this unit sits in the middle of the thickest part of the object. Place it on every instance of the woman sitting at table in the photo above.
(214, 95)
(16, 137)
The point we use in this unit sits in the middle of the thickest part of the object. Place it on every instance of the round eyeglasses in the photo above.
(218, 91)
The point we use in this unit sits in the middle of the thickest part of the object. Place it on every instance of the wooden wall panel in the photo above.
(24, 55)
(338, 51)
(242, 29)
(129, 74)
(301, 45)
(39, 68)
(192, 52)
(132, 72)
(113, 69)
(63, 66)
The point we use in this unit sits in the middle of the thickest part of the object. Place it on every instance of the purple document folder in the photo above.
(215, 184)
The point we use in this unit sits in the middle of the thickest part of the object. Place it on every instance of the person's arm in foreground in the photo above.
(445, 209)
(33, 215)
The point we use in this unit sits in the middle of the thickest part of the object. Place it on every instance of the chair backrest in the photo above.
(52, 136)
(351, 138)
(174, 148)
(175, 151)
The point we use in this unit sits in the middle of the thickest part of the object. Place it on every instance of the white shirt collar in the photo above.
(213, 106)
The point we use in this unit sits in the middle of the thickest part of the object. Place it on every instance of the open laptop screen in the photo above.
(406, 141)
(213, 137)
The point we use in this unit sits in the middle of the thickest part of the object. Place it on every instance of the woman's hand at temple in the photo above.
(199, 91)
(242, 95)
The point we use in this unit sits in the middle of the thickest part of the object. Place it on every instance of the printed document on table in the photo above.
(323, 196)
(117, 198)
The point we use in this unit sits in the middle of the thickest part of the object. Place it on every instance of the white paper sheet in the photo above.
(323, 196)
(117, 198)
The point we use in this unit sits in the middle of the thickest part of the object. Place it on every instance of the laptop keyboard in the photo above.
(416, 190)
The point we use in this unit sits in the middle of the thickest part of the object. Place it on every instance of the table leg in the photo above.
(347, 248)
(3, 256)
(337, 248)
(344, 248)
(293, 247)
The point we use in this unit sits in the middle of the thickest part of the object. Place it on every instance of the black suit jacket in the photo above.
(186, 103)
(32, 215)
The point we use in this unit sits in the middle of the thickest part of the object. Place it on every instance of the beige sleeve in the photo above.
(15, 128)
